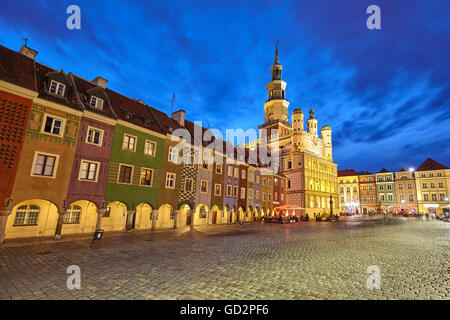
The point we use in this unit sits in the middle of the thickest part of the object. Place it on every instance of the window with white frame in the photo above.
(125, 174)
(236, 173)
(269, 182)
(235, 191)
(170, 180)
(432, 185)
(96, 102)
(229, 190)
(57, 88)
(433, 197)
(173, 154)
(371, 198)
(410, 198)
(382, 197)
(242, 193)
(264, 196)
(88, 170)
(27, 215)
(230, 171)
(72, 215)
(400, 185)
(441, 196)
(264, 181)
(203, 186)
(389, 196)
(188, 184)
(402, 198)
(53, 125)
(389, 187)
(244, 174)
(440, 184)
(217, 189)
(218, 168)
(146, 177)
(94, 136)
(129, 142)
(425, 197)
(45, 164)
(150, 148)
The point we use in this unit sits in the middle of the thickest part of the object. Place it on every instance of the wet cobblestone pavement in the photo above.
(257, 261)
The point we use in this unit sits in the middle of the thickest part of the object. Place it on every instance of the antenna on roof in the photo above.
(26, 40)
(172, 101)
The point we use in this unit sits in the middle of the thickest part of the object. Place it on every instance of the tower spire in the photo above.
(276, 53)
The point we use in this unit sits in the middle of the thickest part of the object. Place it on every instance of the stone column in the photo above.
(130, 216)
(176, 215)
(59, 224)
(154, 217)
(100, 213)
(220, 212)
(3, 219)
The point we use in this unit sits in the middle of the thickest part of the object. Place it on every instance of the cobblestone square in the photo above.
(256, 261)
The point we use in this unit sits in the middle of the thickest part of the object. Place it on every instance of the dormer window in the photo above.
(57, 88)
(96, 103)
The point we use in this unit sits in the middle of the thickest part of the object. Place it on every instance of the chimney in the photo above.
(140, 101)
(99, 81)
(178, 116)
(28, 52)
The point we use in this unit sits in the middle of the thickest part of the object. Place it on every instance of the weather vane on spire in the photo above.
(276, 52)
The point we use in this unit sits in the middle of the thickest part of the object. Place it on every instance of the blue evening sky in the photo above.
(385, 93)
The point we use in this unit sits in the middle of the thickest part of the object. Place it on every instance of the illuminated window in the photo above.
(72, 215)
(146, 177)
(129, 142)
(88, 170)
(150, 148)
(27, 215)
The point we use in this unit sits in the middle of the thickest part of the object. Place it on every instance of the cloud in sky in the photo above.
(385, 93)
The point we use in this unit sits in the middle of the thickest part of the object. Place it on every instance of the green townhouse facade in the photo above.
(135, 170)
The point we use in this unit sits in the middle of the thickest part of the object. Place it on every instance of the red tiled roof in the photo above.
(82, 86)
(70, 96)
(347, 172)
(131, 111)
(431, 164)
(17, 68)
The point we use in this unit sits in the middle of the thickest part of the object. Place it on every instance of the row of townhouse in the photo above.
(76, 156)
(424, 190)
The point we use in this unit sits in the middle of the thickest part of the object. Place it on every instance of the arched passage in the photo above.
(165, 217)
(184, 215)
(115, 217)
(32, 218)
(216, 215)
(143, 218)
(200, 215)
(80, 217)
